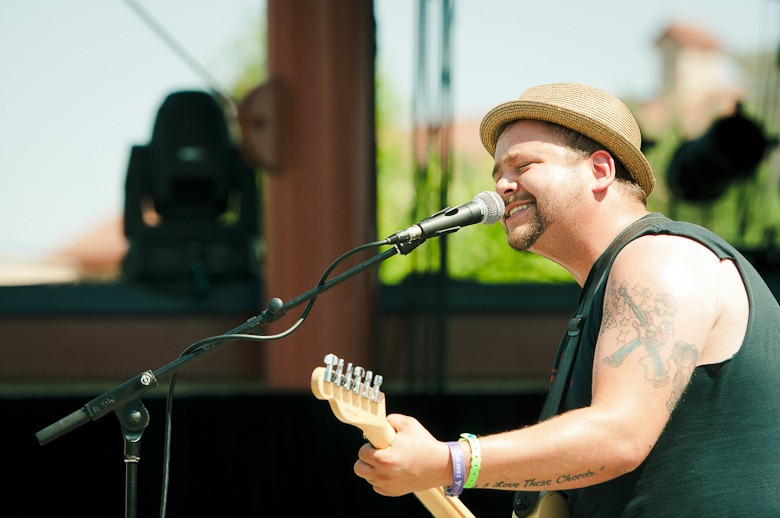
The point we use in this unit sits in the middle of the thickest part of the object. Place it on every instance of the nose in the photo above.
(506, 184)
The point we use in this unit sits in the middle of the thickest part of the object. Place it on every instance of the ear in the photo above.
(602, 169)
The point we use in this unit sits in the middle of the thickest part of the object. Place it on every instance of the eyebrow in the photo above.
(510, 157)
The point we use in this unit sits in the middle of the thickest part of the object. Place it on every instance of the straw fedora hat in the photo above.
(595, 113)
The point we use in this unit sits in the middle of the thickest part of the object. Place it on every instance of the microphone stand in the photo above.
(124, 399)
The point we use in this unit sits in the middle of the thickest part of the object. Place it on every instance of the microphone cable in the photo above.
(168, 426)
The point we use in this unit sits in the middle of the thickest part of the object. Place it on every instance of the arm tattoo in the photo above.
(652, 318)
(534, 484)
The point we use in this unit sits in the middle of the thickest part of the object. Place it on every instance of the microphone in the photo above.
(487, 207)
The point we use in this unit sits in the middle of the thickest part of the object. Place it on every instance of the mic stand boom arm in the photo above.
(130, 390)
(125, 401)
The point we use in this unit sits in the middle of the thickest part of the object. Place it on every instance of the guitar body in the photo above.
(549, 505)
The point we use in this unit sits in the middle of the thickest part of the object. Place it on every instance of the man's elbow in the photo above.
(628, 454)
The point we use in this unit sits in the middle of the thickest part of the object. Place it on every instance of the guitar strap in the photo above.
(525, 501)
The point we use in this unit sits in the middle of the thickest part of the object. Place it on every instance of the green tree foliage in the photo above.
(747, 214)
(476, 253)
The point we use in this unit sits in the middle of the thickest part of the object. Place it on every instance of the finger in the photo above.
(362, 469)
(366, 472)
(397, 421)
(366, 453)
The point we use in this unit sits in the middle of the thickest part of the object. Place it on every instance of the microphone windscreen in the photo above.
(493, 206)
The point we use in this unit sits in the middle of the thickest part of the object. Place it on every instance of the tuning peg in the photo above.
(358, 375)
(367, 384)
(348, 377)
(339, 376)
(330, 361)
(378, 379)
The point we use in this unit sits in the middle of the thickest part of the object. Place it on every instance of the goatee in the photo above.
(522, 240)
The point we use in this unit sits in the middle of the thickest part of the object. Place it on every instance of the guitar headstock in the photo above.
(354, 397)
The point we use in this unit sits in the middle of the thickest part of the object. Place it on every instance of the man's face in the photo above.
(533, 173)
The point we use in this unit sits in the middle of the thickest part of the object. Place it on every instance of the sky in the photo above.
(82, 80)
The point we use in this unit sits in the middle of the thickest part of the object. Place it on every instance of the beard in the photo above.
(521, 240)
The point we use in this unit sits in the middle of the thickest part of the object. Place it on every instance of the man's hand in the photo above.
(414, 462)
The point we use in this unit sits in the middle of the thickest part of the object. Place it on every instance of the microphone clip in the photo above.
(407, 247)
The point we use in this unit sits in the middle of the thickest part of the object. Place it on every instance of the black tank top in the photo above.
(719, 455)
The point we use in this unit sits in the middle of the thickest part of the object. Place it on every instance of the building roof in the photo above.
(687, 35)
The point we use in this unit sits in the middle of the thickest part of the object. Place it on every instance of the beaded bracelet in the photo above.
(476, 459)
(458, 469)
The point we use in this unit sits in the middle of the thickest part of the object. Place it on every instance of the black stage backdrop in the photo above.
(236, 456)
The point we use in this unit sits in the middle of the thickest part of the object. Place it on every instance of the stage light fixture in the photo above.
(730, 150)
(190, 199)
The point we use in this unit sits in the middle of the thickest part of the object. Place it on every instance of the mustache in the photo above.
(515, 198)
(518, 198)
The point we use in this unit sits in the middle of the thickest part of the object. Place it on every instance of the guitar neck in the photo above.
(442, 506)
(434, 499)
(355, 402)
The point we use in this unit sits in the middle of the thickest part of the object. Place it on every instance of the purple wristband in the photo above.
(458, 469)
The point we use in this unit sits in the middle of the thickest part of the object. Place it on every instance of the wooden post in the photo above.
(320, 197)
